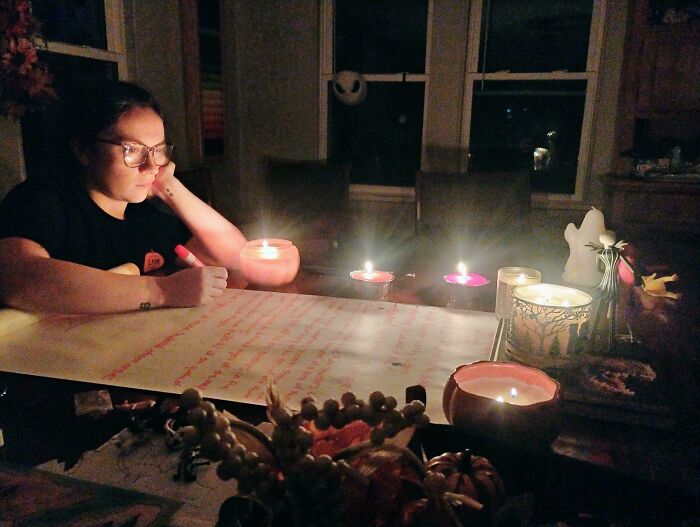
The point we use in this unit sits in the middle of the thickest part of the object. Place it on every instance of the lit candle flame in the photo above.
(499, 399)
(513, 393)
(521, 279)
(368, 267)
(565, 303)
(462, 268)
(268, 252)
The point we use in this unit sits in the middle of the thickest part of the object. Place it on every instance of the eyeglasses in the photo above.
(136, 154)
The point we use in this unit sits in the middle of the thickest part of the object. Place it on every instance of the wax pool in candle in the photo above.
(552, 295)
(505, 389)
(508, 278)
(513, 402)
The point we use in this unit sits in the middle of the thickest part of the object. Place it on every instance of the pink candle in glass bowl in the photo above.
(270, 262)
(514, 403)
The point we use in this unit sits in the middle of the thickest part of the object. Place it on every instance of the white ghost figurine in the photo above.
(582, 265)
(349, 87)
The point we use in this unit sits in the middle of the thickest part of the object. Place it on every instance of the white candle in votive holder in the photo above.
(508, 278)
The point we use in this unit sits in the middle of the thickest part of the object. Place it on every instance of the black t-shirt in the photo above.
(70, 226)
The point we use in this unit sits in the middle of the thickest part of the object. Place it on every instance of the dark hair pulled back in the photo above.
(91, 106)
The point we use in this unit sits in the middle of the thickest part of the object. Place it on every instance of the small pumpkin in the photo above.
(472, 476)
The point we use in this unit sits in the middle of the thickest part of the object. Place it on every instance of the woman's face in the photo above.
(108, 178)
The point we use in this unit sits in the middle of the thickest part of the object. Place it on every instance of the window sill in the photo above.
(558, 201)
(382, 193)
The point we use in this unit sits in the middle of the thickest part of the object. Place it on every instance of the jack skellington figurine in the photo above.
(608, 252)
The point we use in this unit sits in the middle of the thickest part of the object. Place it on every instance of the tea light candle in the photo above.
(462, 277)
(371, 284)
(508, 278)
(515, 402)
(270, 262)
(463, 286)
(370, 275)
(547, 323)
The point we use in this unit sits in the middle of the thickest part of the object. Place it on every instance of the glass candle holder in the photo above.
(371, 284)
(549, 325)
(270, 262)
(463, 288)
(508, 278)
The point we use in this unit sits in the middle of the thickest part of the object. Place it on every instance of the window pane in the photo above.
(380, 136)
(529, 125)
(380, 36)
(526, 36)
(40, 129)
(79, 22)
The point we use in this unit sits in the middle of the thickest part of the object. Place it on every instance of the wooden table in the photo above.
(608, 469)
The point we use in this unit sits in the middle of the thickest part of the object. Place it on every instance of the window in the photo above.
(531, 79)
(387, 43)
(83, 38)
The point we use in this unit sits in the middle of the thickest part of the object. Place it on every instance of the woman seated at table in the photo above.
(60, 234)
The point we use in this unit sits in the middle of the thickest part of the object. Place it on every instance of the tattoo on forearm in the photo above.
(145, 306)
(169, 192)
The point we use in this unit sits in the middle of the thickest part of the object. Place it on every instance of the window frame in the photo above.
(326, 72)
(116, 48)
(591, 76)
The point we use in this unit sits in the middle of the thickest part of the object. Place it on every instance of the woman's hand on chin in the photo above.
(164, 179)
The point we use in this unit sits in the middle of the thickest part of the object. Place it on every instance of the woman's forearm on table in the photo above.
(215, 240)
(50, 285)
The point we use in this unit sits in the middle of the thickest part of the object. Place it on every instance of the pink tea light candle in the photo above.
(512, 401)
(463, 286)
(372, 284)
(462, 277)
(269, 262)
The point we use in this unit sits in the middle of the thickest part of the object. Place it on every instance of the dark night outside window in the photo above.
(529, 83)
(525, 36)
(511, 120)
(380, 36)
(381, 136)
(78, 22)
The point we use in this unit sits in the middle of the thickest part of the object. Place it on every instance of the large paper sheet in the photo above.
(307, 345)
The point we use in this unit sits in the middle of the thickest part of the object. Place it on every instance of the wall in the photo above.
(11, 158)
(154, 51)
(446, 85)
(604, 151)
(276, 90)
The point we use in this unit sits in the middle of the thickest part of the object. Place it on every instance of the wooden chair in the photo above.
(497, 202)
(307, 201)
